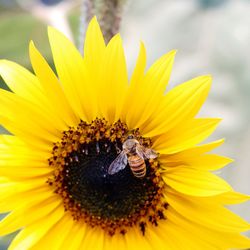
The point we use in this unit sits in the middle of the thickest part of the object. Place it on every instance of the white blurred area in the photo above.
(52, 12)
(212, 37)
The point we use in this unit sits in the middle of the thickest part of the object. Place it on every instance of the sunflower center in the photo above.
(104, 195)
(114, 202)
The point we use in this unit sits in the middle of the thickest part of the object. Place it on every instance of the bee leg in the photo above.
(117, 148)
(97, 147)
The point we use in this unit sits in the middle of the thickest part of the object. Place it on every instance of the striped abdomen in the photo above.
(137, 166)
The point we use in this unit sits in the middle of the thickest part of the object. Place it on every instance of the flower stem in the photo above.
(108, 12)
(89, 6)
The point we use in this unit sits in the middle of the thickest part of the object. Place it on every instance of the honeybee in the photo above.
(134, 154)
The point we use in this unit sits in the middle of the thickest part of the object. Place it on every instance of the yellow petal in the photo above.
(12, 148)
(202, 162)
(18, 116)
(21, 173)
(113, 80)
(206, 214)
(231, 198)
(32, 140)
(227, 198)
(193, 151)
(208, 162)
(214, 238)
(75, 238)
(57, 234)
(94, 239)
(16, 160)
(185, 136)
(35, 209)
(179, 105)
(138, 73)
(51, 87)
(134, 240)
(167, 235)
(94, 46)
(70, 69)
(10, 157)
(22, 82)
(26, 86)
(156, 239)
(8, 187)
(114, 243)
(94, 50)
(158, 75)
(14, 193)
(20, 161)
(34, 232)
(148, 92)
(195, 182)
(129, 113)
(15, 107)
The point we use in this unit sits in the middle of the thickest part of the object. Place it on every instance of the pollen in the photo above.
(116, 202)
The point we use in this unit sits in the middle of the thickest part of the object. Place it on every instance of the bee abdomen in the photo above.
(137, 166)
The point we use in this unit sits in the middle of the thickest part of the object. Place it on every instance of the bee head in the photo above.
(130, 136)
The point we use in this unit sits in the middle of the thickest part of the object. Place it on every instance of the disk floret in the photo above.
(113, 202)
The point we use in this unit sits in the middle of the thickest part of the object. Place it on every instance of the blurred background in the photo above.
(212, 37)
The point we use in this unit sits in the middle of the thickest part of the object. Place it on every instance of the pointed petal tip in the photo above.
(32, 46)
(50, 28)
(229, 160)
(222, 140)
(204, 78)
(33, 51)
(173, 52)
(117, 36)
(216, 120)
(204, 81)
(208, 78)
(143, 48)
(115, 39)
(2, 61)
(142, 45)
(3, 64)
(94, 20)
(169, 56)
(53, 31)
(31, 43)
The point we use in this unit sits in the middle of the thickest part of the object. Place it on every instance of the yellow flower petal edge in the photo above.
(68, 127)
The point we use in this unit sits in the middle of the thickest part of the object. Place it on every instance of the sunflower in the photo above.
(96, 161)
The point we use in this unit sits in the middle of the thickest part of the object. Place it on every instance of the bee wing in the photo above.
(145, 153)
(150, 153)
(119, 163)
